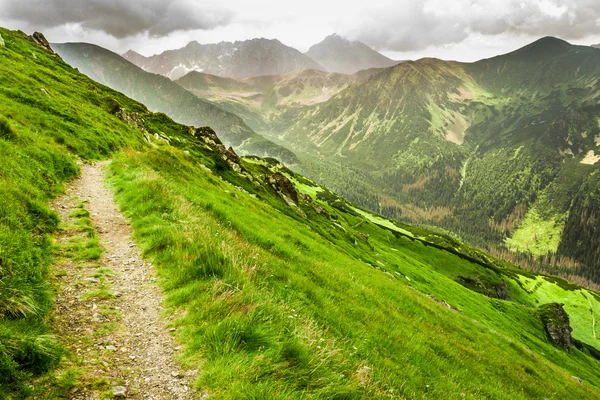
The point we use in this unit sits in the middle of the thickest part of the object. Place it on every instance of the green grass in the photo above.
(282, 306)
(536, 235)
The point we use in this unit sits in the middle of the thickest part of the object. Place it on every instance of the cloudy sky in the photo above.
(463, 30)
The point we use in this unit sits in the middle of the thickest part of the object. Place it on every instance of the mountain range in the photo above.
(239, 60)
(422, 141)
(498, 150)
(261, 57)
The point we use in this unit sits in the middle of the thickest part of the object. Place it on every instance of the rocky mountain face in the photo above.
(337, 54)
(161, 94)
(239, 60)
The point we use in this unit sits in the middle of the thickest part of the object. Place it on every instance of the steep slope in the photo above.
(160, 94)
(469, 147)
(338, 54)
(261, 100)
(263, 270)
(239, 60)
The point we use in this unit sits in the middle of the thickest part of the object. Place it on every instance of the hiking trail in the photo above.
(109, 311)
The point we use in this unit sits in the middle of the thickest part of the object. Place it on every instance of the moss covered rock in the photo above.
(556, 324)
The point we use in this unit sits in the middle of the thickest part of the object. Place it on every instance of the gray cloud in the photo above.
(119, 18)
(410, 26)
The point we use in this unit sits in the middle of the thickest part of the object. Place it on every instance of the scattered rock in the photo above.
(321, 210)
(92, 280)
(111, 348)
(442, 302)
(556, 324)
(119, 391)
(364, 236)
(578, 380)
(305, 197)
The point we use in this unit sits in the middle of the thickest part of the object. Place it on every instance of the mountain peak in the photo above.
(546, 45)
(339, 54)
(134, 57)
(131, 53)
(192, 44)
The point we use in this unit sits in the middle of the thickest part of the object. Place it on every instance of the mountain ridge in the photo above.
(238, 60)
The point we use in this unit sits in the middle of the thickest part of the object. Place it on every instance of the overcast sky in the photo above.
(464, 30)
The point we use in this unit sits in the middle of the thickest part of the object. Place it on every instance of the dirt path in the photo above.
(109, 311)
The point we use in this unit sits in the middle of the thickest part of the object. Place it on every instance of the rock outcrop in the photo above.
(285, 188)
(496, 290)
(2, 44)
(41, 41)
(556, 324)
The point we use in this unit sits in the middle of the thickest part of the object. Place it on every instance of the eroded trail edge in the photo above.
(109, 311)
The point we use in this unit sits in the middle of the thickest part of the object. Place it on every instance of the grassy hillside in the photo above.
(278, 288)
(50, 116)
(160, 94)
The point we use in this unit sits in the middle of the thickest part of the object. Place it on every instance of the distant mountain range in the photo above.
(261, 57)
(161, 94)
(337, 54)
(239, 60)
(597, 46)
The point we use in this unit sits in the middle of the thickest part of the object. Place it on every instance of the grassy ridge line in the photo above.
(275, 310)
